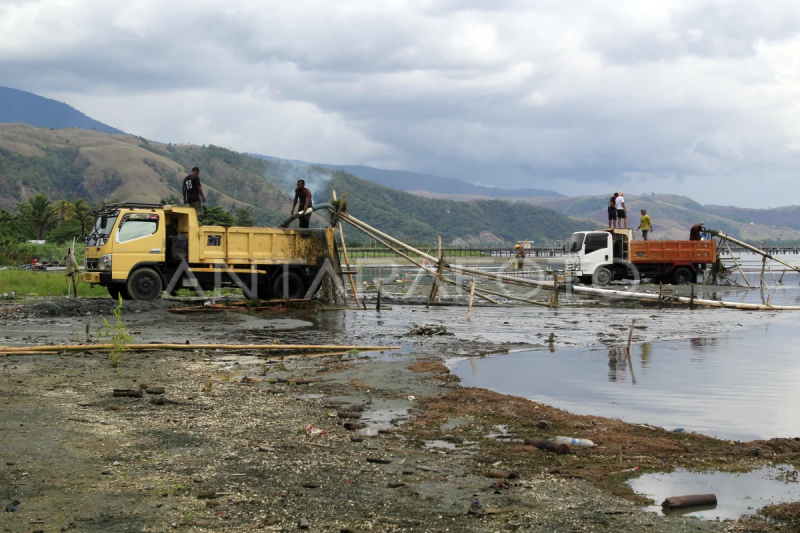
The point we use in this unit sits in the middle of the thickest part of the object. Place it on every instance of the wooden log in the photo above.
(691, 500)
(127, 393)
(437, 280)
(548, 445)
(5, 350)
(501, 474)
(343, 414)
(155, 390)
(471, 297)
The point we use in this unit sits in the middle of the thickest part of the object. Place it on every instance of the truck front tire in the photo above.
(145, 284)
(296, 285)
(682, 276)
(602, 277)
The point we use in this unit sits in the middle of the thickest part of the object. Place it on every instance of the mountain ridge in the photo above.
(23, 107)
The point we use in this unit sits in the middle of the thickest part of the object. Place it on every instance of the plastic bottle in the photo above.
(585, 443)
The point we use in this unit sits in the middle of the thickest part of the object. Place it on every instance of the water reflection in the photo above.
(737, 493)
(740, 385)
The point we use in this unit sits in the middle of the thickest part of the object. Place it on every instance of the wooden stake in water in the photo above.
(344, 249)
(660, 290)
(630, 336)
(763, 266)
(471, 297)
(88, 328)
(380, 290)
(691, 299)
(439, 294)
(555, 289)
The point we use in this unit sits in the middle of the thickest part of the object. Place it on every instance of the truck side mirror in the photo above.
(103, 221)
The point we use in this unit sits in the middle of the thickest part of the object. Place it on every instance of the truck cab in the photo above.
(139, 250)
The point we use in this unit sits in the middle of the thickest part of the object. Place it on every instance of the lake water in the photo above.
(737, 493)
(741, 385)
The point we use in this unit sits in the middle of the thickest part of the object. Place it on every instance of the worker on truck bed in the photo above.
(622, 211)
(612, 211)
(696, 233)
(645, 225)
(193, 191)
(302, 199)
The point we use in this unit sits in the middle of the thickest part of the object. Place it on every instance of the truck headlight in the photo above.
(104, 263)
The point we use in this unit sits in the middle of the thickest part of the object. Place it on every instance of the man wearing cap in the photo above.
(696, 233)
(622, 211)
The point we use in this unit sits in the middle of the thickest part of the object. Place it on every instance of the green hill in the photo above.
(75, 163)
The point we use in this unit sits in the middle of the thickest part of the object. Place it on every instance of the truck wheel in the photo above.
(144, 284)
(602, 276)
(297, 285)
(115, 291)
(682, 276)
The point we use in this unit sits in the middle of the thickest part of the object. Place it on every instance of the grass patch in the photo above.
(26, 283)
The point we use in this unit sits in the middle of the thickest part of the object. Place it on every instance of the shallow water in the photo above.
(737, 494)
(739, 385)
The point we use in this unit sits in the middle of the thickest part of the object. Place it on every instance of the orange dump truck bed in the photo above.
(677, 252)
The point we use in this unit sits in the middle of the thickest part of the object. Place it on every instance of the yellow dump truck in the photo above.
(140, 250)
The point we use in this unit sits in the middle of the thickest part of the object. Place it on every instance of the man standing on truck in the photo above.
(612, 211)
(645, 225)
(696, 233)
(622, 211)
(302, 199)
(193, 191)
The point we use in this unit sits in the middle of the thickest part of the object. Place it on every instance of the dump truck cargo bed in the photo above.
(677, 252)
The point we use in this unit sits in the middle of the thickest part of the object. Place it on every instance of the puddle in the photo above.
(739, 386)
(439, 444)
(453, 422)
(737, 494)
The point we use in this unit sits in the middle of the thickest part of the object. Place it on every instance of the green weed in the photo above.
(117, 335)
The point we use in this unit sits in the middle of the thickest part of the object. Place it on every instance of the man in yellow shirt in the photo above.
(645, 225)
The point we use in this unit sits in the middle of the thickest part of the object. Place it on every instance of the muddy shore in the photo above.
(233, 426)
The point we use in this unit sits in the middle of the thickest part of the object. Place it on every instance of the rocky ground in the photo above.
(384, 441)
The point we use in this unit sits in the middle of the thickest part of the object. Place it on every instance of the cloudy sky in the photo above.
(580, 96)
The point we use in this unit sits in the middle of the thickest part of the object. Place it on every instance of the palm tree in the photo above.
(39, 214)
(82, 212)
(62, 209)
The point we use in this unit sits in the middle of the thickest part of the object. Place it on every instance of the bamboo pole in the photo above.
(660, 290)
(436, 281)
(608, 293)
(439, 293)
(344, 251)
(763, 266)
(754, 249)
(735, 262)
(471, 297)
(691, 300)
(6, 350)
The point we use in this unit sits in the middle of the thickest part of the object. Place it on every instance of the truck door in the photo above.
(596, 251)
(139, 239)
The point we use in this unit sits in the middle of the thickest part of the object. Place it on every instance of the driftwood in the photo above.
(691, 500)
(548, 445)
(501, 474)
(6, 350)
(127, 393)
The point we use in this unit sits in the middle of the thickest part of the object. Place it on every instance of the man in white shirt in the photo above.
(622, 211)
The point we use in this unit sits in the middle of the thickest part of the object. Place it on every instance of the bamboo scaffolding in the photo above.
(344, 251)
(8, 350)
(735, 262)
(754, 249)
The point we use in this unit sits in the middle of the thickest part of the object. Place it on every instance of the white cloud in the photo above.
(570, 95)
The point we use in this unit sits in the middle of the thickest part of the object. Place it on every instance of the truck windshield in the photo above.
(99, 234)
(576, 243)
